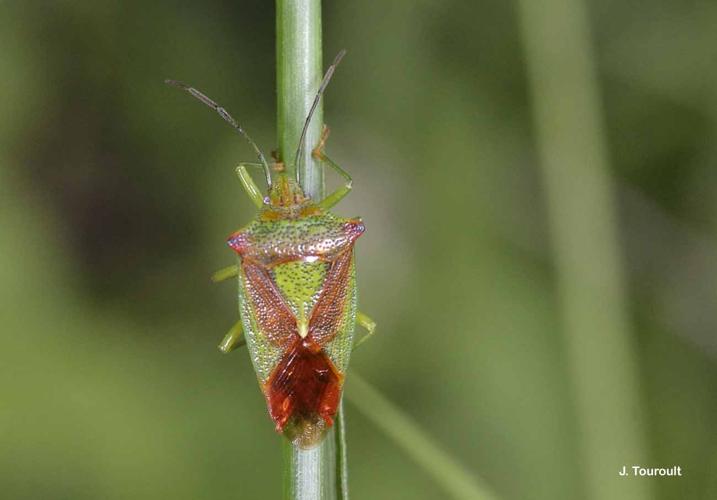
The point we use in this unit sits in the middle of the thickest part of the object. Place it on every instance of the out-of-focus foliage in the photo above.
(116, 194)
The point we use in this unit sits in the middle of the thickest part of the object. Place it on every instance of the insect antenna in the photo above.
(227, 117)
(327, 77)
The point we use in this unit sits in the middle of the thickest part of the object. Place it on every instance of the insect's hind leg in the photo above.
(318, 153)
(225, 273)
(368, 324)
(233, 339)
(248, 183)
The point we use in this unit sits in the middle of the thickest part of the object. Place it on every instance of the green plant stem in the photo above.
(310, 474)
(313, 474)
(582, 219)
(299, 73)
(342, 468)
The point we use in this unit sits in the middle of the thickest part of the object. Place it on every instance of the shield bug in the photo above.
(297, 288)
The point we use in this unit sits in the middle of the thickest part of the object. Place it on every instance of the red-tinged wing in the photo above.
(328, 313)
(273, 316)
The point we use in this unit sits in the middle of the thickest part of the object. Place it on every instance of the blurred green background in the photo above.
(117, 193)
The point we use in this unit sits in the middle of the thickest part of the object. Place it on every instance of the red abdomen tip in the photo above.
(304, 387)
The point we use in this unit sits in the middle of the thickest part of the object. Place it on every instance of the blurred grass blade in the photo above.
(582, 220)
(443, 468)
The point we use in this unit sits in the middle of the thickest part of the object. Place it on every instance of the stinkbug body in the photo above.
(297, 290)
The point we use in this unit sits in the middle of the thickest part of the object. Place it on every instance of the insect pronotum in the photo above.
(297, 288)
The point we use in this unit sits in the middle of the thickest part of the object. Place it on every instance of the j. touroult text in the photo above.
(637, 470)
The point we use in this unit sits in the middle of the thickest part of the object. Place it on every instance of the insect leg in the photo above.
(318, 153)
(368, 324)
(225, 273)
(249, 185)
(233, 339)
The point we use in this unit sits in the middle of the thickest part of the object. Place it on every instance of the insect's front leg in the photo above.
(248, 183)
(318, 153)
(233, 339)
(368, 324)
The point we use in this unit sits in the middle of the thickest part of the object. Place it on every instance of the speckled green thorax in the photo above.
(270, 241)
